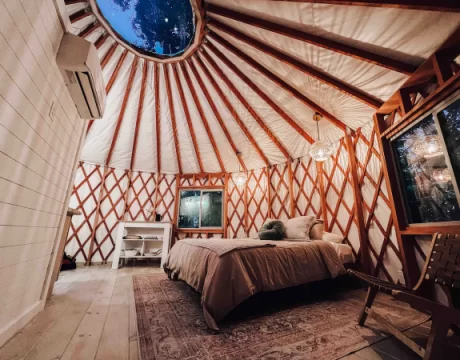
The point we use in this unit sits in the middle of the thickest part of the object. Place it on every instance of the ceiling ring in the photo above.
(199, 34)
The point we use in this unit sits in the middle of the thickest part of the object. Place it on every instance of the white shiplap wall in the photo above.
(37, 155)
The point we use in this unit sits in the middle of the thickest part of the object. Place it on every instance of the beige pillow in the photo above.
(299, 227)
(317, 230)
(332, 237)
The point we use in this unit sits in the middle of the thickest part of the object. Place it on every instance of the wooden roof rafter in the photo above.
(108, 55)
(188, 117)
(90, 29)
(123, 109)
(300, 66)
(173, 117)
(275, 78)
(112, 80)
(101, 40)
(140, 109)
(232, 110)
(80, 14)
(255, 116)
(313, 39)
(261, 94)
(203, 116)
(216, 111)
(156, 85)
(72, 2)
(430, 5)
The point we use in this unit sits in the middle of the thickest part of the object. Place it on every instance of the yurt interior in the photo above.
(229, 179)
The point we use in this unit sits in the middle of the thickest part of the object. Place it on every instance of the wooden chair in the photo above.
(442, 267)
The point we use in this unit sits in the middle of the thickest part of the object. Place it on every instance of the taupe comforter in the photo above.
(225, 281)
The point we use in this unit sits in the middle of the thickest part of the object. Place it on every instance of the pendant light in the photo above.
(320, 150)
(429, 146)
(241, 178)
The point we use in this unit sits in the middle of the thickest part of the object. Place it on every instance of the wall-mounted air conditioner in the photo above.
(79, 64)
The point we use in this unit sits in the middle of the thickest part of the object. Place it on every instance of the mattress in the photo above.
(344, 251)
(226, 279)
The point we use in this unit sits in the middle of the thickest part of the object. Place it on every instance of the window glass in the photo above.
(449, 120)
(189, 209)
(211, 209)
(163, 28)
(426, 180)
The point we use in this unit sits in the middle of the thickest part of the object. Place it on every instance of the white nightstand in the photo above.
(153, 235)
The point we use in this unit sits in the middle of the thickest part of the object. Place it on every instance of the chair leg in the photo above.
(371, 293)
(456, 329)
(438, 333)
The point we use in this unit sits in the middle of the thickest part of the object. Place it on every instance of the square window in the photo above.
(200, 209)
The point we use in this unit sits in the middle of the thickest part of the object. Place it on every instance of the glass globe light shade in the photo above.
(240, 179)
(428, 147)
(320, 151)
(441, 175)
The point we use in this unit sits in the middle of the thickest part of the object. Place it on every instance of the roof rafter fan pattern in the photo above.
(243, 94)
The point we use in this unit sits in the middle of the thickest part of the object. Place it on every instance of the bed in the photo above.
(228, 271)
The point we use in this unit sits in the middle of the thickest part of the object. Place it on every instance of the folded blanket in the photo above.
(222, 247)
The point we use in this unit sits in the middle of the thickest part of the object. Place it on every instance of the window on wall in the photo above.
(428, 158)
(200, 209)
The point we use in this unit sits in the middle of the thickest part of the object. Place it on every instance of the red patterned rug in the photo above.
(298, 323)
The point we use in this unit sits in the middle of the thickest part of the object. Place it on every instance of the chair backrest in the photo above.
(443, 261)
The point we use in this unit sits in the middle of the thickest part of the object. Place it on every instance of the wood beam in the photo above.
(72, 2)
(269, 192)
(96, 216)
(300, 66)
(101, 40)
(260, 92)
(140, 108)
(291, 190)
(276, 79)
(322, 194)
(123, 109)
(408, 259)
(109, 85)
(156, 84)
(358, 200)
(214, 108)
(81, 14)
(108, 55)
(173, 117)
(430, 5)
(114, 76)
(254, 114)
(309, 38)
(203, 116)
(232, 111)
(90, 29)
(188, 117)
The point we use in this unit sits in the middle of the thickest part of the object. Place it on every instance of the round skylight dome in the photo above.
(157, 28)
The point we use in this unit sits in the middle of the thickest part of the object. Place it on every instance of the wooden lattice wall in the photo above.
(107, 196)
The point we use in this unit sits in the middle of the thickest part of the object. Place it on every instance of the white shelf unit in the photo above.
(161, 230)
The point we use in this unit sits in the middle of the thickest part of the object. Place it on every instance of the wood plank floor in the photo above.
(91, 315)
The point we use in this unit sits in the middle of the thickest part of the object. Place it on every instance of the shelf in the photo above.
(141, 257)
(143, 240)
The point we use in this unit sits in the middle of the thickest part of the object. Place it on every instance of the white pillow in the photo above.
(334, 238)
(299, 227)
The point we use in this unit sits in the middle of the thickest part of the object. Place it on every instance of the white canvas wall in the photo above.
(37, 155)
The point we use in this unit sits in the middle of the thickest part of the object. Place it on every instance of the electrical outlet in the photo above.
(401, 279)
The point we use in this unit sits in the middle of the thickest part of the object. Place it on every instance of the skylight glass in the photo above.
(162, 28)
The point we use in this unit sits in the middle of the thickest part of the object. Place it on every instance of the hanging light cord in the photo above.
(317, 130)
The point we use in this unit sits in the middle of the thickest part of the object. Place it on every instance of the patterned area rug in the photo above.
(299, 323)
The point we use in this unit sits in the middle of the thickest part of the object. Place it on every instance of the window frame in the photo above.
(434, 111)
(201, 190)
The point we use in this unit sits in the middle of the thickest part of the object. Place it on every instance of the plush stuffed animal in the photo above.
(272, 230)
